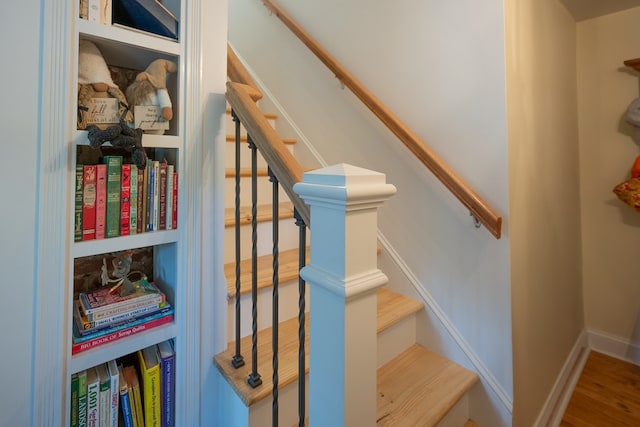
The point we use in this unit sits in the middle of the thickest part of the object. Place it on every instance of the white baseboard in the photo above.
(558, 399)
(618, 347)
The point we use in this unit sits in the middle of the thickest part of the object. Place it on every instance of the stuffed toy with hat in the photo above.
(94, 81)
(150, 88)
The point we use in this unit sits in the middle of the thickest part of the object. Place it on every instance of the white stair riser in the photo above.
(245, 155)
(288, 239)
(287, 308)
(230, 125)
(260, 412)
(264, 191)
(396, 339)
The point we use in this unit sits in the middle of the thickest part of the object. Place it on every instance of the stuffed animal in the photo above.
(121, 136)
(94, 81)
(150, 88)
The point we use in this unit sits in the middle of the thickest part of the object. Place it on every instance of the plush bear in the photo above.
(94, 81)
(150, 88)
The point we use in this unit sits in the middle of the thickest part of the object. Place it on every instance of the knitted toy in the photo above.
(94, 81)
(121, 136)
(150, 88)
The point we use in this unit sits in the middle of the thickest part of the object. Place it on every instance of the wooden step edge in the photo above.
(471, 423)
(270, 116)
(287, 361)
(416, 376)
(245, 172)
(288, 266)
(394, 307)
(243, 138)
(263, 213)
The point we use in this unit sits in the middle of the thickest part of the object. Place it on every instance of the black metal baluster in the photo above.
(237, 360)
(254, 379)
(302, 260)
(275, 298)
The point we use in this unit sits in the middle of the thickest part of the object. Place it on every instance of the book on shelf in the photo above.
(114, 172)
(142, 182)
(105, 302)
(101, 200)
(125, 198)
(162, 203)
(169, 197)
(89, 202)
(131, 373)
(114, 392)
(77, 228)
(93, 396)
(150, 373)
(174, 205)
(93, 329)
(104, 395)
(150, 186)
(82, 398)
(133, 201)
(125, 401)
(146, 15)
(156, 195)
(74, 400)
(127, 331)
(167, 356)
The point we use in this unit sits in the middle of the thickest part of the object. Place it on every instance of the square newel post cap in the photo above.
(344, 185)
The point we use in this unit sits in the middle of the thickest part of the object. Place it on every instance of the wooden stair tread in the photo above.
(417, 376)
(243, 138)
(263, 213)
(245, 172)
(271, 116)
(393, 307)
(288, 264)
(288, 359)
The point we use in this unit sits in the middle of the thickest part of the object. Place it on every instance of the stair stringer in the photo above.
(488, 402)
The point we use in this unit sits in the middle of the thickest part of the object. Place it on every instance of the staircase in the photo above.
(415, 387)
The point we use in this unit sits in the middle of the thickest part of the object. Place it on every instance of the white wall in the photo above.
(440, 67)
(544, 198)
(18, 172)
(608, 147)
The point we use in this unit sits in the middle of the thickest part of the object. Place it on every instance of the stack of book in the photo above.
(117, 199)
(136, 390)
(104, 315)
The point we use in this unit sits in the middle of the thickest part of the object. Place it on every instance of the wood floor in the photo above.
(607, 394)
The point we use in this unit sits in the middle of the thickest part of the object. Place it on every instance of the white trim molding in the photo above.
(618, 347)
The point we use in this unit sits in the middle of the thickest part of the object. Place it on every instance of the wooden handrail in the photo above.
(478, 207)
(269, 143)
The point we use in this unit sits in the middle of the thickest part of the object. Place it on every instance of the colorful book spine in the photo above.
(174, 219)
(150, 373)
(145, 307)
(93, 396)
(114, 392)
(133, 204)
(83, 331)
(142, 182)
(100, 304)
(156, 194)
(114, 172)
(126, 332)
(82, 398)
(77, 227)
(104, 396)
(101, 200)
(162, 191)
(150, 186)
(74, 400)
(167, 382)
(89, 203)
(169, 196)
(125, 199)
(125, 401)
(134, 386)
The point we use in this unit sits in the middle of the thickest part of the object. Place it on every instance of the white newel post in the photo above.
(343, 278)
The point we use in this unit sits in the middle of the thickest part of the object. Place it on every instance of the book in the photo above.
(142, 204)
(122, 333)
(77, 227)
(114, 392)
(92, 329)
(114, 171)
(134, 387)
(167, 356)
(174, 219)
(102, 302)
(93, 393)
(156, 194)
(133, 204)
(169, 209)
(104, 395)
(125, 402)
(150, 186)
(162, 203)
(125, 199)
(73, 418)
(146, 15)
(82, 398)
(101, 200)
(150, 373)
(89, 202)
